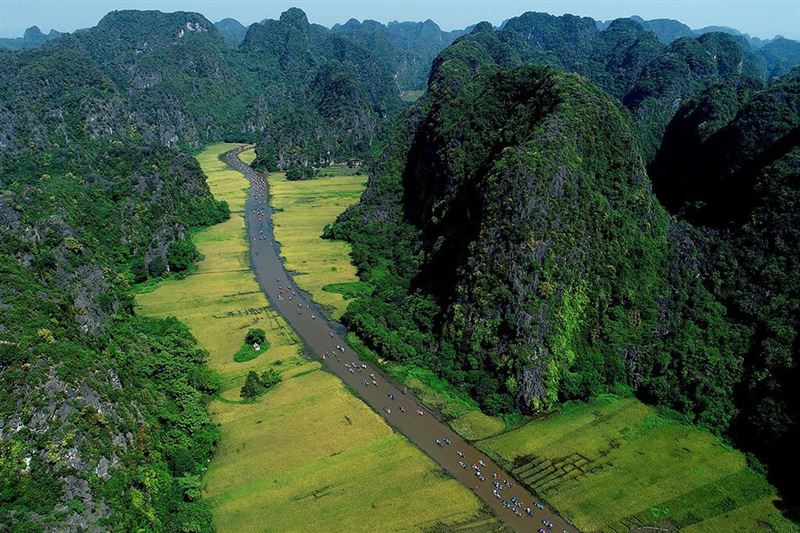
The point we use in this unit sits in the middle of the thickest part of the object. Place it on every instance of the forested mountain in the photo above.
(32, 38)
(681, 70)
(669, 30)
(151, 77)
(780, 55)
(103, 420)
(410, 47)
(232, 31)
(146, 77)
(629, 62)
(323, 97)
(729, 165)
(531, 262)
(407, 47)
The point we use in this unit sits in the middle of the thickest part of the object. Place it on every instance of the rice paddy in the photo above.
(301, 209)
(615, 465)
(308, 455)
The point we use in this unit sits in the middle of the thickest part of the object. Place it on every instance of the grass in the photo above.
(350, 289)
(617, 464)
(463, 413)
(248, 353)
(301, 211)
(308, 455)
(411, 96)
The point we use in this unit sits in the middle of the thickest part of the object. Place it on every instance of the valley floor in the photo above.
(308, 455)
(612, 465)
(301, 209)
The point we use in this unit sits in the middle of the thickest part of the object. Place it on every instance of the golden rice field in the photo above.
(615, 465)
(300, 211)
(307, 456)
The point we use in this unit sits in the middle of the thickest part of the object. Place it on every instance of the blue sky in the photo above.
(765, 18)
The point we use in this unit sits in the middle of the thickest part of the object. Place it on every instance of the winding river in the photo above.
(420, 425)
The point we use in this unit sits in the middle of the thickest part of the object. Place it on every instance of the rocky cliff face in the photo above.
(533, 201)
(337, 92)
(82, 402)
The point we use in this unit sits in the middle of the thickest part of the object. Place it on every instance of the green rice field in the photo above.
(301, 211)
(617, 465)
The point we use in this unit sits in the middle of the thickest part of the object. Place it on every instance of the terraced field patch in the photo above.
(616, 464)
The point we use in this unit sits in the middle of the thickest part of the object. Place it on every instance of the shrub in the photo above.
(255, 335)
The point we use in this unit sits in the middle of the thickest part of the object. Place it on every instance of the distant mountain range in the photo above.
(32, 38)
(668, 30)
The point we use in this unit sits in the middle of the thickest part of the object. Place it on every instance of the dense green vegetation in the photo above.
(329, 93)
(742, 194)
(144, 77)
(104, 413)
(497, 280)
(530, 263)
(409, 47)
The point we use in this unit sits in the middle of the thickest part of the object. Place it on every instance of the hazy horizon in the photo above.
(765, 19)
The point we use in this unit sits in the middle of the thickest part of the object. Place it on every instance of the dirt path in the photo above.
(381, 394)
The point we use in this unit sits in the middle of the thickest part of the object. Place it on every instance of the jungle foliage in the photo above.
(531, 263)
(104, 418)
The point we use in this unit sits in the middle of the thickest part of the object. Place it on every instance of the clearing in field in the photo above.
(617, 464)
(301, 209)
(308, 455)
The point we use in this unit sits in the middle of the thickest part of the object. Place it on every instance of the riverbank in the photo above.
(301, 209)
(308, 455)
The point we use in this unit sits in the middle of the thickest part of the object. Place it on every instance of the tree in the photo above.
(270, 377)
(255, 335)
(182, 255)
(299, 172)
(252, 386)
(139, 270)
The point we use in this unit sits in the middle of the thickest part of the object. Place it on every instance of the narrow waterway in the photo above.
(400, 408)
